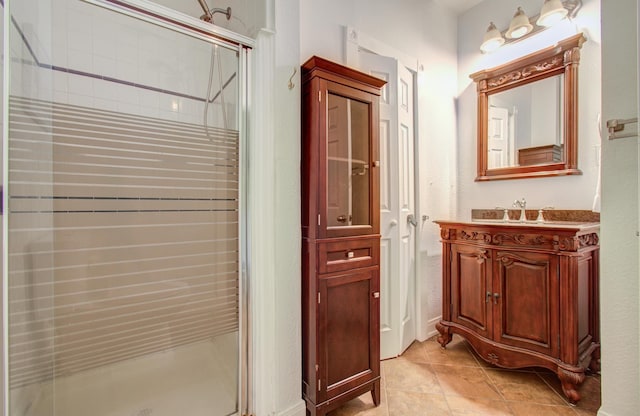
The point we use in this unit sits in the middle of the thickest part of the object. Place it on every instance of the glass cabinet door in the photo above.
(348, 162)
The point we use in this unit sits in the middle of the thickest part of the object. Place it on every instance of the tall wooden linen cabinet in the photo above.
(340, 235)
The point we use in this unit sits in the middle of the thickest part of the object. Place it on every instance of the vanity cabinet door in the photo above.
(471, 295)
(349, 315)
(526, 300)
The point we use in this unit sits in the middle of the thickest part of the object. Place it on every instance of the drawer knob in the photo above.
(350, 254)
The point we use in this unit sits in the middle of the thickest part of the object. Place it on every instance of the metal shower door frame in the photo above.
(191, 26)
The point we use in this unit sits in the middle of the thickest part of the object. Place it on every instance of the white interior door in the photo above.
(498, 134)
(398, 225)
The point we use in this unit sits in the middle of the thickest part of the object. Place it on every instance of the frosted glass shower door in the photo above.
(124, 214)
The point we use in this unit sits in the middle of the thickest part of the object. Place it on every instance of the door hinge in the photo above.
(317, 368)
(319, 95)
(318, 297)
(319, 385)
(318, 220)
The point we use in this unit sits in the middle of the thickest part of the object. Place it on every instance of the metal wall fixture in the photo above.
(208, 13)
(616, 128)
(522, 26)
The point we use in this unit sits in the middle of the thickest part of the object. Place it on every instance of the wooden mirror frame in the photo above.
(562, 58)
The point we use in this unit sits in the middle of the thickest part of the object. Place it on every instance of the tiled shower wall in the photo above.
(73, 52)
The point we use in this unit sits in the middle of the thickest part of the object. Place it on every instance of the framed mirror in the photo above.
(528, 114)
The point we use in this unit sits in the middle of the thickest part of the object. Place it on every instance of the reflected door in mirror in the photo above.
(524, 119)
(348, 162)
(500, 141)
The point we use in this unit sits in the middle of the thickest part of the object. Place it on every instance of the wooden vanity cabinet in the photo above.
(340, 235)
(524, 296)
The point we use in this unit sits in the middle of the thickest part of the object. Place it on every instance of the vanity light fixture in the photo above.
(521, 26)
(552, 12)
(492, 39)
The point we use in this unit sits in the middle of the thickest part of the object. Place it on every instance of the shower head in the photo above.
(208, 13)
(207, 16)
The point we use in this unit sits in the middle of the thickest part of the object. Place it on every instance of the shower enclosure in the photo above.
(122, 232)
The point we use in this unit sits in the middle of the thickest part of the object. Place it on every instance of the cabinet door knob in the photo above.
(488, 297)
(376, 295)
(495, 298)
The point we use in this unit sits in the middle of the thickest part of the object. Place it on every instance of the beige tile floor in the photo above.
(427, 380)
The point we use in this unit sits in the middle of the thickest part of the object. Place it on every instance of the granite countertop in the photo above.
(582, 220)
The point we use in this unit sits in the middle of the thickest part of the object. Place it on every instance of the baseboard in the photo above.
(431, 325)
(299, 409)
(429, 329)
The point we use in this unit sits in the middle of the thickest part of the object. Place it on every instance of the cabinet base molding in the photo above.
(322, 409)
(505, 356)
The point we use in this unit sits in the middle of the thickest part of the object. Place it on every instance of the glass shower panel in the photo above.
(123, 216)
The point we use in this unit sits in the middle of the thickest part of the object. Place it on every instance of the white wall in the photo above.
(619, 288)
(287, 219)
(569, 192)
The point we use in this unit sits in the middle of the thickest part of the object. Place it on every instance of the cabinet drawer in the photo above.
(347, 254)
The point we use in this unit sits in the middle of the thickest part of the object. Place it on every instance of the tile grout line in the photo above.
(566, 403)
(483, 368)
(435, 374)
(386, 392)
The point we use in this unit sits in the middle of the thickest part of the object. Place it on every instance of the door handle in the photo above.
(411, 219)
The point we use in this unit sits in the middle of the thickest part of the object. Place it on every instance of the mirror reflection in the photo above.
(348, 162)
(525, 125)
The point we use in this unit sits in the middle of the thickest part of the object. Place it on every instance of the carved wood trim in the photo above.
(509, 258)
(589, 240)
(493, 358)
(498, 236)
(566, 244)
(522, 239)
(526, 72)
(447, 233)
(475, 236)
(502, 238)
(481, 256)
